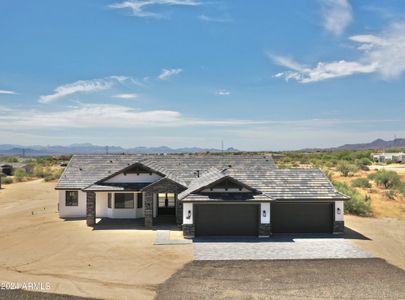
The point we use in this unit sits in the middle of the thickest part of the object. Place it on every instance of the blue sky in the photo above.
(260, 75)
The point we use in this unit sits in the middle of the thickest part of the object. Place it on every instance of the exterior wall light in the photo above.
(264, 213)
(338, 210)
(189, 215)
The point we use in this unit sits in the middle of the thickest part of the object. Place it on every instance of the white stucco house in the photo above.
(205, 194)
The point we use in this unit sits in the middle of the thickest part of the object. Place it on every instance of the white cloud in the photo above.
(167, 73)
(222, 93)
(105, 116)
(139, 7)
(83, 86)
(7, 92)
(206, 18)
(337, 15)
(383, 54)
(126, 96)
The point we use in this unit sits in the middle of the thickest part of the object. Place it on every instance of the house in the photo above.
(9, 168)
(394, 157)
(206, 194)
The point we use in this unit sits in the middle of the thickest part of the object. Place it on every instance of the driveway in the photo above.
(276, 248)
(369, 278)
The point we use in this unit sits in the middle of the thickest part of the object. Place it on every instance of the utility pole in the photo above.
(222, 146)
(106, 149)
(23, 152)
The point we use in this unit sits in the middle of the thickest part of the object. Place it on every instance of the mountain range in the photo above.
(87, 148)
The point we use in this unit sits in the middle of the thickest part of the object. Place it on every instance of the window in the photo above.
(109, 200)
(167, 200)
(72, 198)
(124, 200)
(140, 201)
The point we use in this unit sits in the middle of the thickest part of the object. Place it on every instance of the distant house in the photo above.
(206, 195)
(8, 169)
(394, 157)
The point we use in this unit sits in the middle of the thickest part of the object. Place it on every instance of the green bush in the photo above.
(364, 161)
(390, 195)
(361, 183)
(52, 175)
(357, 205)
(6, 180)
(388, 179)
(20, 175)
(346, 168)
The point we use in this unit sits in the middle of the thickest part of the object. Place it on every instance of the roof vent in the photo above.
(197, 173)
(110, 161)
(80, 169)
(229, 166)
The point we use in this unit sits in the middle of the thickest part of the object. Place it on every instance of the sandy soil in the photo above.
(37, 246)
(386, 237)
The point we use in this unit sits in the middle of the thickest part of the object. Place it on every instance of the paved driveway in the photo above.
(276, 248)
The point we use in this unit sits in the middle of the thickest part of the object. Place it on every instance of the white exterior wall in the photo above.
(339, 207)
(71, 211)
(131, 177)
(187, 207)
(101, 205)
(265, 207)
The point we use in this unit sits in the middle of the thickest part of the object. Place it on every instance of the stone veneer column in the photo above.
(148, 210)
(91, 208)
(338, 226)
(188, 231)
(264, 230)
(179, 211)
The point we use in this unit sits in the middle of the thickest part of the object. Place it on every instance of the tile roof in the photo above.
(256, 171)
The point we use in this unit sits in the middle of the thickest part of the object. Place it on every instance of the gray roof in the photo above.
(256, 171)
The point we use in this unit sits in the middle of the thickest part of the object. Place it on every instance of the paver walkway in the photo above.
(277, 249)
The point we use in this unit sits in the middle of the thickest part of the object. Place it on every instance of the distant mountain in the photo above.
(378, 144)
(86, 148)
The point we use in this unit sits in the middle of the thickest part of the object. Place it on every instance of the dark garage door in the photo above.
(301, 217)
(226, 219)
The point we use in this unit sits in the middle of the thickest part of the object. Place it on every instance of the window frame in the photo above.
(166, 200)
(125, 200)
(139, 200)
(68, 198)
(109, 200)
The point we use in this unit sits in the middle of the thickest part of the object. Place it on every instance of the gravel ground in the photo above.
(29, 295)
(369, 278)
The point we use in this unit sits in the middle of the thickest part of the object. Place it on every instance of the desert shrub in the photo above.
(388, 161)
(388, 179)
(20, 175)
(6, 180)
(358, 204)
(364, 168)
(11, 159)
(361, 183)
(39, 171)
(54, 174)
(346, 168)
(364, 161)
(390, 194)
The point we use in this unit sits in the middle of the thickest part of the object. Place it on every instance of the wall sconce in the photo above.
(188, 215)
(264, 213)
(338, 210)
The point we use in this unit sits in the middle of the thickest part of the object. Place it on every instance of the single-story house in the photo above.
(394, 157)
(9, 168)
(207, 194)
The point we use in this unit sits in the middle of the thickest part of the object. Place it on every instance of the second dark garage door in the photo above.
(301, 217)
(226, 219)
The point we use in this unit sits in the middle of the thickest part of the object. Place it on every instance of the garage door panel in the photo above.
(226, 219)
(301, 217)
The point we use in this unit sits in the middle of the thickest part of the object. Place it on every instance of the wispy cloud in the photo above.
(140, 7)
(106, 116)
(222, 92)
(383, 54)
(337, 15)
(84, 86)
(206, 18)
(7, 92)
(126, 96)
(167, 73)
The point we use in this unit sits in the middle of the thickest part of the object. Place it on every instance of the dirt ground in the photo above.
(37, 246)
(286, 279)
(385, 237)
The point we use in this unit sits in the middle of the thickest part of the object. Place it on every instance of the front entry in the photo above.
(166, 204)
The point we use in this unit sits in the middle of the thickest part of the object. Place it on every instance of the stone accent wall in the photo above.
(91, 208)
(189, 231)
(338, 227)
(148, 209)
(162, 186)
(179, 211)
(264, 229)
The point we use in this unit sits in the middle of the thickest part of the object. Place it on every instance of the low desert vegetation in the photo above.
(361, 183)
(358, 204)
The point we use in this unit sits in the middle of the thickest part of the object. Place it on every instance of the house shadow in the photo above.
(159, 223)
(351, 234)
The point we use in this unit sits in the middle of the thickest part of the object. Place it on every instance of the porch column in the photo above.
(179, 211)
(148, 210)
(188, 221)
(91, 208)
(265, 224)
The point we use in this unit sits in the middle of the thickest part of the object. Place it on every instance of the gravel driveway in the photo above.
(276, 249)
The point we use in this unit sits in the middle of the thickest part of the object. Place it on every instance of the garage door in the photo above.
(301, 217)
(226, 219)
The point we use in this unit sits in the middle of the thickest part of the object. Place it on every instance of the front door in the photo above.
(166, 204)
